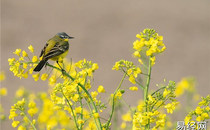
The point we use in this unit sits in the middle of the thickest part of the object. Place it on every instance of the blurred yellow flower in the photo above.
(3, 91)
(2, 76)
(96, 115)
(123, 125)
(17, 52)
(36, 76)
(127, 117)
(15, 123)
(134, 88)
(101, 89)
(132, 79)
(31, 48)
(24, 54)
(44, 76)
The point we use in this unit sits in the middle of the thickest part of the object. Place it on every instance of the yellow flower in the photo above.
(144, 120)
(118, 94)
(129, 71)
(91, 126)
(166, 92)
(205, 116)
(2, 76)
(25, 65)
(170, 107)
(207, 108)
(15, 123)
(78, 109)
(137, 45)
(95, 66)
(94, 94)
(187, 119)
(17, 52)
(32, 108)
(80, 121)
(152, 60)
(138, 36)
(136, 54)
(52, 80)
(32, 111)
(44, 76)
(31, 49)
(31, 70)
(20, 92)
(34, 59)
(21, 128)
(3, 91)
(90, 72)
(123, 125)
(163, 49)
(21, 102)
(11, 61)
(151, 99)
(96, 115)
(161, 120)
(134, 88)
(169, 124)
(87, 85)
(36, 76)
(24, 54)
(101, 89)
(140, 61)
(116, 66)
(132, 79)
(199, 118)
(198, 110)
(127, 117)
(185, 84)
(12, 114)
(136, 72)
(75, 98)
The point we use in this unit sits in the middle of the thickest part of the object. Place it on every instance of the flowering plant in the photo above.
(71, 104)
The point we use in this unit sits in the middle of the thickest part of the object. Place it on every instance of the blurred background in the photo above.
(104, 32)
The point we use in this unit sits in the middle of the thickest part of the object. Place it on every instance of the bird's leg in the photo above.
(60, 67)
(46, 64)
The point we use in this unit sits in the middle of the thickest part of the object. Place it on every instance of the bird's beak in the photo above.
(70, 37)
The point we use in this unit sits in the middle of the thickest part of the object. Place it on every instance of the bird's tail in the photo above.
(40, 65)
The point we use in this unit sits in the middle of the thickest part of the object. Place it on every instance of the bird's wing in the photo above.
(57, 50)
(43, 50)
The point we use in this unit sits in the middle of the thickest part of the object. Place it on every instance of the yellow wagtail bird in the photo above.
(55, 48)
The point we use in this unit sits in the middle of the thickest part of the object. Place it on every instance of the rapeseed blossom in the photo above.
(72, 101)
(201, 112)
(149, 43)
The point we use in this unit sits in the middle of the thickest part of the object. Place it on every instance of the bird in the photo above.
(55, 48)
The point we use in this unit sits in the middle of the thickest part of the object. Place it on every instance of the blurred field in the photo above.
(104, 32)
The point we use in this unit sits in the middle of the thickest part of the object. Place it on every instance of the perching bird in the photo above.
(55, 48)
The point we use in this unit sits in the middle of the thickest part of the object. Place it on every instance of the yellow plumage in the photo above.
(55, 48)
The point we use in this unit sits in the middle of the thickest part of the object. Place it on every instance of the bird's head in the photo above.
(64, 36)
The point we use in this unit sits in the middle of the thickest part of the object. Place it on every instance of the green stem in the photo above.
(92, 115)
(28, 120)
(113, 103)
(147, 83)
(74, 116)
(83, 87)
(147, 89)
(80, 101)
